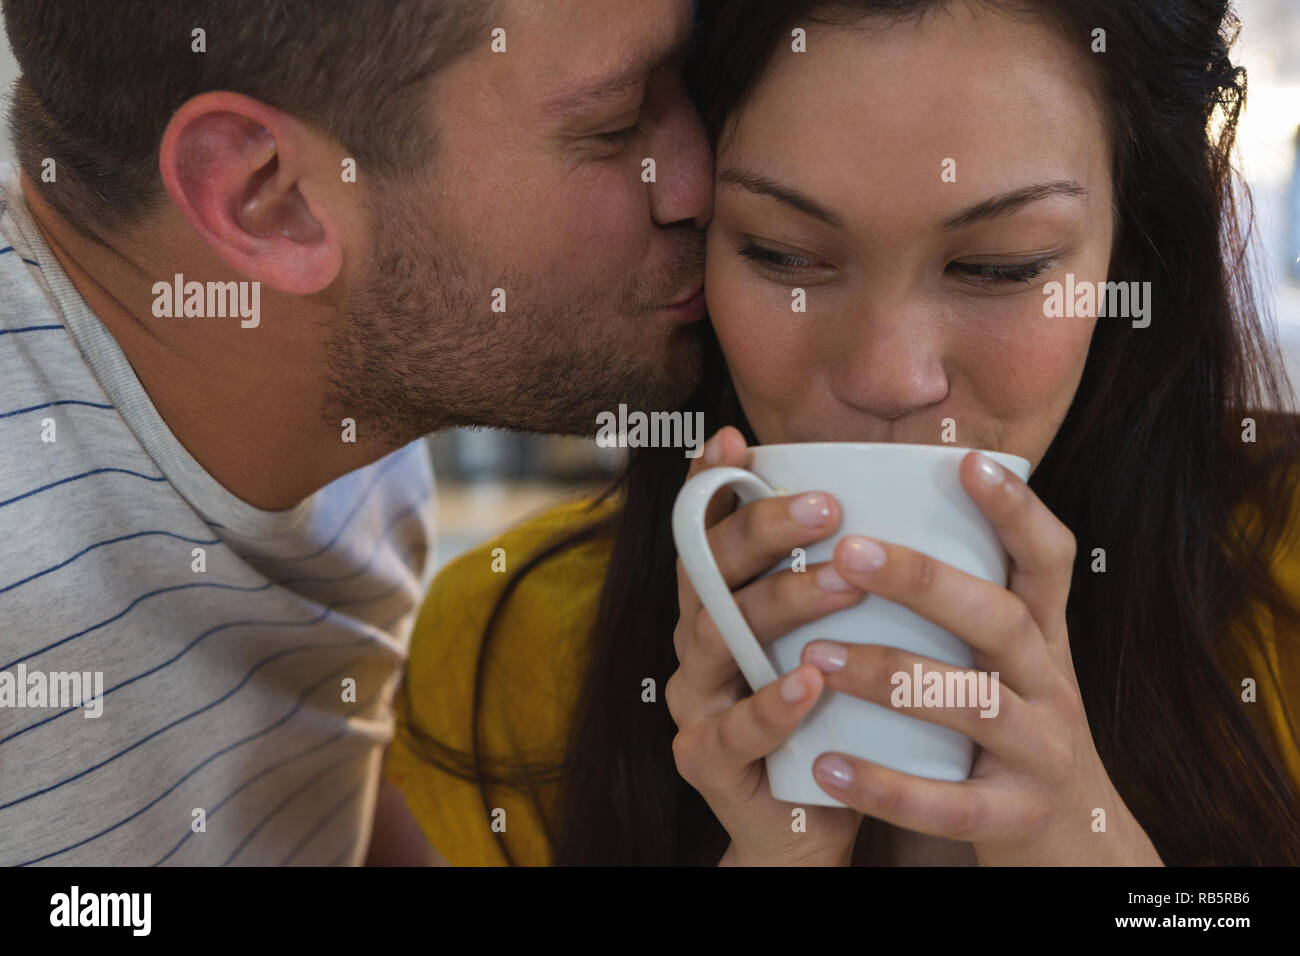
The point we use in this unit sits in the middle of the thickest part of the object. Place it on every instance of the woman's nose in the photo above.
(890, 361)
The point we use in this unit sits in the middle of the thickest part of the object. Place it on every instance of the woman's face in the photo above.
(924, 297)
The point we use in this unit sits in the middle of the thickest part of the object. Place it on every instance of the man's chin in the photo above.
(662, 380)
(678, 372)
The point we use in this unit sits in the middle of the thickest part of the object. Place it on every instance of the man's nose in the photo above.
(682, 190)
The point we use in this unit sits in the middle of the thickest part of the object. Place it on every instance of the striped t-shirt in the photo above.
(184, 679)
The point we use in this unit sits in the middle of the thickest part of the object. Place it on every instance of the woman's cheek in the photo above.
(1026, 365)
(765, 341)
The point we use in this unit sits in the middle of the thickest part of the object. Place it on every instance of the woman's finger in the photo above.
(975, 703)
(1041, 547)
(992, 620)
(773, 606)
(754, 726)
(726, 447)
(969, 811)
(752, 539)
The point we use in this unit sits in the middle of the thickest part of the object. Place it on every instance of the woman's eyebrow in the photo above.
(1009, 202)
(770, 187)
(1001, 205)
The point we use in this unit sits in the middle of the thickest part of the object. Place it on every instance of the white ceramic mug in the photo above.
(904, 494)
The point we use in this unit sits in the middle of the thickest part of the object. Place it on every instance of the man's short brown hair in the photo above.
(100, 81)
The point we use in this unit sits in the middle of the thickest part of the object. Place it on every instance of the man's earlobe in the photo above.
(235, 168)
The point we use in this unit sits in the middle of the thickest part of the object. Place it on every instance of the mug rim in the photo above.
(889, 444)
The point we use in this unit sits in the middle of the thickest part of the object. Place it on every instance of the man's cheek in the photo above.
(605, 205)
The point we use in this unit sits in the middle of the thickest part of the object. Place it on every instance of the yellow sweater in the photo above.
(537, 664)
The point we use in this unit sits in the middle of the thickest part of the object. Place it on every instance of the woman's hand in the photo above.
(723, 732)
(1037, 780)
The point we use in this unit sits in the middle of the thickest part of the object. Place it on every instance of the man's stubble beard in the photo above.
(417, 347)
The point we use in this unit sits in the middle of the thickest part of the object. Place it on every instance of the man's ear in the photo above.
(237, 169)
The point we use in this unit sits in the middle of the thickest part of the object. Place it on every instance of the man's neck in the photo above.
(247, 403)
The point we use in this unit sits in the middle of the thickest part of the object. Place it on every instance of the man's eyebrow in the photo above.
(1010, 202)
(619, 81)
(770, 187)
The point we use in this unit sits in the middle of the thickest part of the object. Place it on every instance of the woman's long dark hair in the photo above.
(1149, 464)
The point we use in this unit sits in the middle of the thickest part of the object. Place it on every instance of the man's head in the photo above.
(500, 258)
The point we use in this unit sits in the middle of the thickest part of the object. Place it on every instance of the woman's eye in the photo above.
(774, 260)
(993, 274)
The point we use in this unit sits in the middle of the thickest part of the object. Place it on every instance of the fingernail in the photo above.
(863, 554)
(834, 772)
(988, 471)
(811, 510)
(713, 450)
(792, 688)
(827, 656)
(828, 579)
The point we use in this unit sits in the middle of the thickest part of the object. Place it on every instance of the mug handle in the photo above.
(692, 542)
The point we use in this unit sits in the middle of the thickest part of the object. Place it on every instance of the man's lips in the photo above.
(691, 293)
(691, 308)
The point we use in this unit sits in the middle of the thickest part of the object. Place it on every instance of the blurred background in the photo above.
(488, 480)
(1268, 146)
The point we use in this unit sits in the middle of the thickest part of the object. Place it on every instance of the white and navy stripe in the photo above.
(222, 690)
